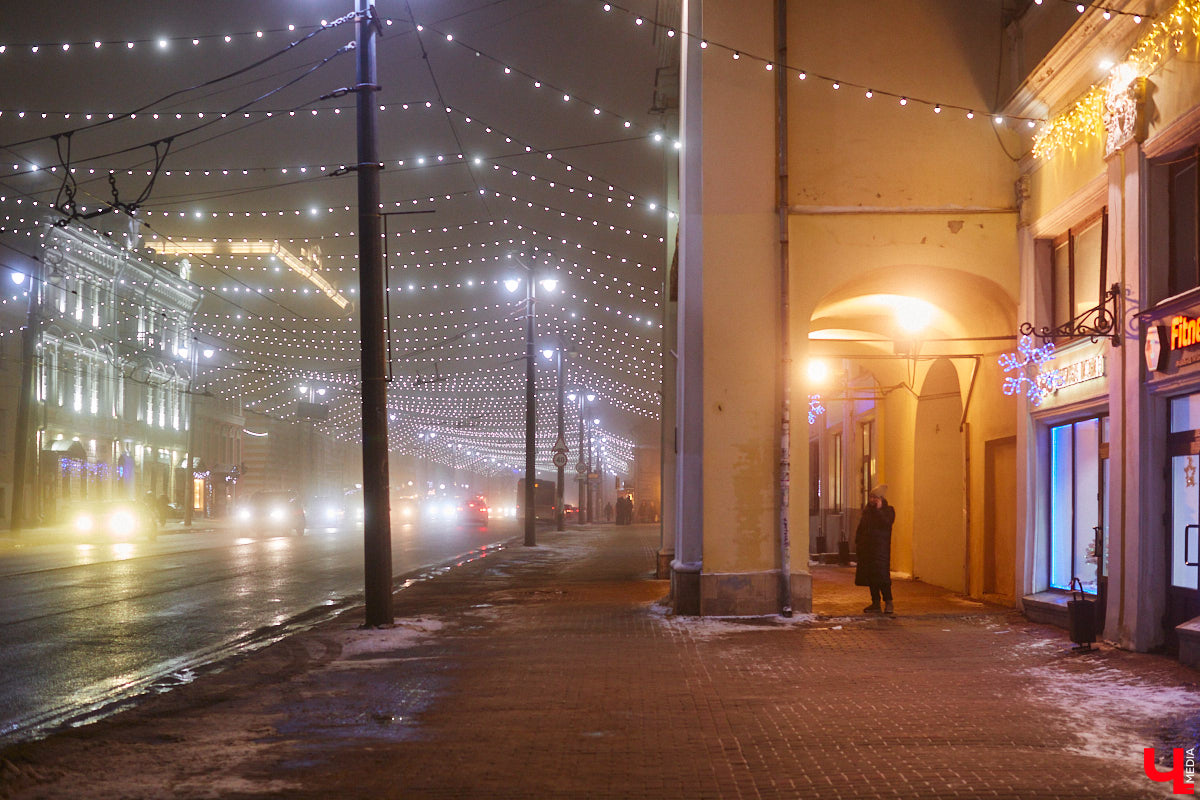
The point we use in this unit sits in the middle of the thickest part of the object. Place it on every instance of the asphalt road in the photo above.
(88, 625)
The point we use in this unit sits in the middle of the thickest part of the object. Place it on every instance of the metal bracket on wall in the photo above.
(1096, 323)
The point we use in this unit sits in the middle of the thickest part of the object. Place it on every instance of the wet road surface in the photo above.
(88, 624)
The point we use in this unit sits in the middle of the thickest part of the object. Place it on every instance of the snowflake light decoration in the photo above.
(1034, 383)
(815, 409)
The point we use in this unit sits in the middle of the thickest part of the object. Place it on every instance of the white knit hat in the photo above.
(880, 490)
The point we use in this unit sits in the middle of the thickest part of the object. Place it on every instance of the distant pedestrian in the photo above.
(608, 511)
(624, 505)
(873, 548)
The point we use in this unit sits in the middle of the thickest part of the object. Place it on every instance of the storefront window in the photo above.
(1185, 414)
(1078, 491)
(1185, 493)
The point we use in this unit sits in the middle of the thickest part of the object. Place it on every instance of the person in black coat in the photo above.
(873, 548)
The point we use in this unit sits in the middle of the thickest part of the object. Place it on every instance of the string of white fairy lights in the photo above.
(166, 44)
(239, 316)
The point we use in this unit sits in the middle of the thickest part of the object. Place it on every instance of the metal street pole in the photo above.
(189, 472)
(559, 513)
(530, 422)
(590, 492)
(581, 467)
(29, 342)
(377, 524)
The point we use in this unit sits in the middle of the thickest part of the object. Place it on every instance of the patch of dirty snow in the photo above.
(405, 633)
(565, 547)
(1112, 713)
(711, 627)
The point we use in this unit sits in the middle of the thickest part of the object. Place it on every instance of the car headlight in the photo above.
(122, 522)
(84, 523)
(277, 514)
(243, 514)
(406, 512)
(448, 510)
(331, 513)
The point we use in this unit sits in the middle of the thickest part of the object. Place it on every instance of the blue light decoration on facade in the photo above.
(815, 409)
(1034, 383)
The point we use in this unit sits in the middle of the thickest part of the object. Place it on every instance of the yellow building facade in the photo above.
(984, 294)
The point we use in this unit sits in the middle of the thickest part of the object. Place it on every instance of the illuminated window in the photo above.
(867, 464)
(835, 472)
(78, 375)
(93, 387)
(814, 478)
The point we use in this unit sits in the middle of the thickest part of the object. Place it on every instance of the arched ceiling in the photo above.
(956, 308)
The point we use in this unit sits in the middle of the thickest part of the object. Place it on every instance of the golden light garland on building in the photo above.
(1085, 118)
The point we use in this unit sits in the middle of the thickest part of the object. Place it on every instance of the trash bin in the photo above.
(1081, 616)
(843, 552)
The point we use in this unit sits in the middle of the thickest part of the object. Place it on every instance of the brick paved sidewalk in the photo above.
(550, 672)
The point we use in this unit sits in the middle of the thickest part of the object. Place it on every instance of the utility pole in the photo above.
(560, 459)
(530, 417)
(189, 473)
(377, 524)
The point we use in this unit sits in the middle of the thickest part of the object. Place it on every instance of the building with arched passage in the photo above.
(818, 220)
(901, 364)
(981, 220)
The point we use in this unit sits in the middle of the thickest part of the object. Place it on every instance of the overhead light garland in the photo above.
(163, 43)
(769, 65)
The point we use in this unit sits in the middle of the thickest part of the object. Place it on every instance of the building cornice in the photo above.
(1072, 66)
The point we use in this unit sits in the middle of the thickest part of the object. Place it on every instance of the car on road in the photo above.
(475, 510)
(406, 508)
(119, 519)
(458, 510)
(278, 510)
(333, 510)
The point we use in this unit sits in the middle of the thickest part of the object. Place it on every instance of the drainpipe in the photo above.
(785, 342)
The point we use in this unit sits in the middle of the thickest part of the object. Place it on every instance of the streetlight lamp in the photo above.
(560, 444)
(192, 352)
(511, 285)
(30, 339)
(593, 494)
(426, 438)
(315, 459)
(581, 466)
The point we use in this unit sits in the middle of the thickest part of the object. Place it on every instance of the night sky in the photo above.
(526, 129)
